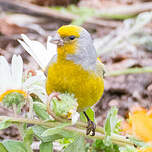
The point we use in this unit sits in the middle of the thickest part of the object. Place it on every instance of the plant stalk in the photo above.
(120, 140)
(129, 71)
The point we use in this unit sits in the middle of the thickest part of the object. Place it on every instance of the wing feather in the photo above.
(53, 60)
(100, 68)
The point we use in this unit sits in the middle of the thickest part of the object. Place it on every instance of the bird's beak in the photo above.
(57, 40)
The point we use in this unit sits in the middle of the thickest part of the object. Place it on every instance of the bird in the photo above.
(76, 69)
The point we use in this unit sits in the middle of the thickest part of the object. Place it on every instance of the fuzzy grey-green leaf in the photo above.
(55, 130)
(46, 147)
(112, 122)
(77, 146)
(28, 139)
(38, 131)
(14, 146)
(5, 124)
(40, 110)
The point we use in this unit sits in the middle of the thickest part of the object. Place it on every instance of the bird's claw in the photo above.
(91, 128)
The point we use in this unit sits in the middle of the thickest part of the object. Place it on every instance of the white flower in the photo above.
(11, 79)
(41, 54)
(72, 114)
(11, 76)
(75, 117)
(36, 85)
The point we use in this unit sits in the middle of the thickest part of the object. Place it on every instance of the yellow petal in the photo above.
(10, 91)
(148, 149)
(142, 126)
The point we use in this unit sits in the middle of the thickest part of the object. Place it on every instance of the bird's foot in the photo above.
(91, 128)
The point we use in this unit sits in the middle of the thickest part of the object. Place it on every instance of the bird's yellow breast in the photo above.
(66, 76)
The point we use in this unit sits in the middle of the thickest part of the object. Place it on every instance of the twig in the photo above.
(129, 71)
(120, 12)
(48, 13)
(125, 11)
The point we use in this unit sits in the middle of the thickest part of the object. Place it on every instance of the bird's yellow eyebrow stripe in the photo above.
(69, 30)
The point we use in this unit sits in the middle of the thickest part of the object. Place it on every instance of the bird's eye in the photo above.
(72, 37)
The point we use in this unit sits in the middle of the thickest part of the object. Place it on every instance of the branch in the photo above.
(50, 14)
(106, 12)
(125, 11)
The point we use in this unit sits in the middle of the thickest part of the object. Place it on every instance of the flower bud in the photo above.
(66, 107)
(13, 98)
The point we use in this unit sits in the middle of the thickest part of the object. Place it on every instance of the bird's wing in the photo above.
(53, 59)
(100, 68)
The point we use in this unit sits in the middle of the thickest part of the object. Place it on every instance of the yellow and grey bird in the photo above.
(75, 69)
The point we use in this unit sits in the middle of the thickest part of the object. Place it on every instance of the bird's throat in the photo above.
(66, 49)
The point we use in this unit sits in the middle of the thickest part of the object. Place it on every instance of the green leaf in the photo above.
(91, 114)
(14, 146)
(107, 126)
(77, 146)
(64, 142)
(55, 130)
(28, 139)
(112, 124)
(82, 117)
(38, 131)
(5, 124)
(46, 147)
(99, 145)
(2, 148)
(40, 110)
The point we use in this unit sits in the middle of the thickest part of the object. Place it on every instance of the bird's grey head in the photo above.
(85, 53)
(71, 37)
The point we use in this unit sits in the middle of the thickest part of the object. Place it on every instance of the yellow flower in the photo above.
(148, 149)
(139, 124)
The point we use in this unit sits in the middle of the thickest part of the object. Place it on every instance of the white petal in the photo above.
(36, 50)
(51, 48)
(75, 117)
(38, 79)
(17, 71)
(29, 50)
(32, 53)
(39, 91)
(41, 73)
(5, 74)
